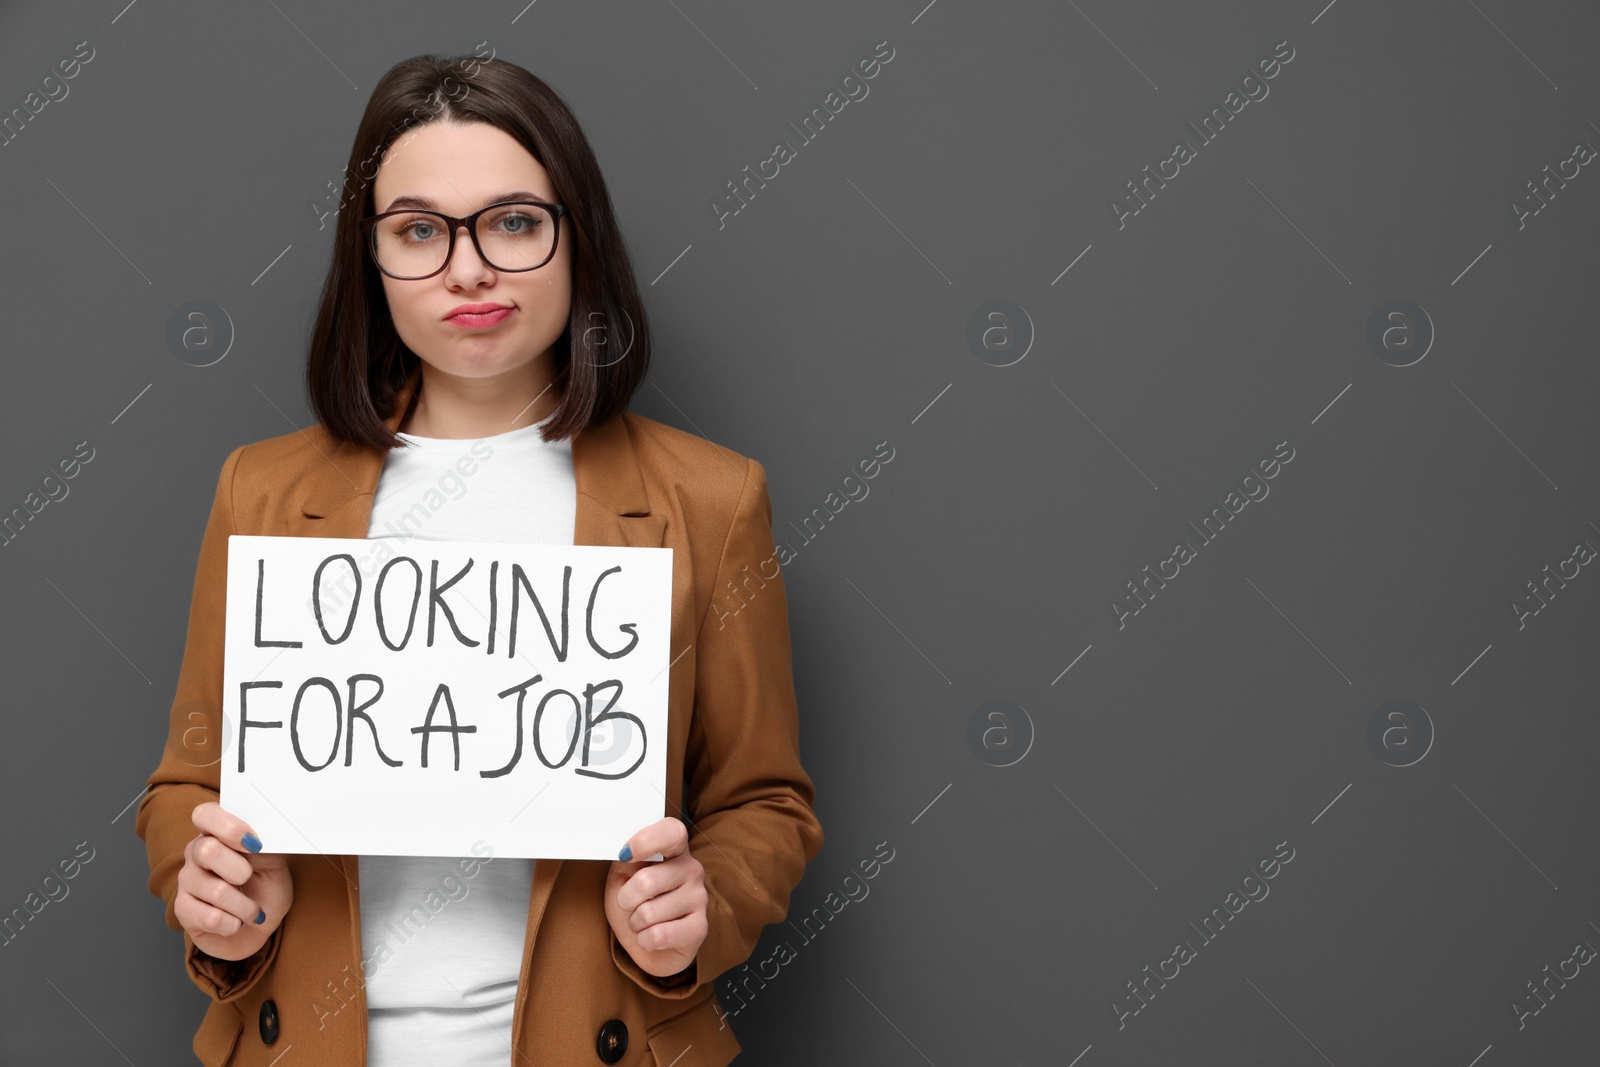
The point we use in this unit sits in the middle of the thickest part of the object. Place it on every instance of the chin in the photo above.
(485, 364)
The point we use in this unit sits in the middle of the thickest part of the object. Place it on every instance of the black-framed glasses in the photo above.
(517, 235)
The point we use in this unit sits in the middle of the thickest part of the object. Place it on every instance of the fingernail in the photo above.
(251, 842)
(261, 917)
(626, 854)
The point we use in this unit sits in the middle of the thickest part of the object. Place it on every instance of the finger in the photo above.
(660, 840)
(198, 917)
(212, 856)
(211, 818)
(676, 934)
(220, 894)
(664, 908)
(651, 880)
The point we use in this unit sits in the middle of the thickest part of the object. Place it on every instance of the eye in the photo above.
(518, 223)
(418, 229)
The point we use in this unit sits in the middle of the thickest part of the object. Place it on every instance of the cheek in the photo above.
(548, 295)
(402, 308)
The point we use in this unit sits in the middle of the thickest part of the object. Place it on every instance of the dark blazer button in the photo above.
(269, 1022)
(612, 1040)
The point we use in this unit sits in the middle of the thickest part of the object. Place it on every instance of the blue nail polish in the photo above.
(626, 854)
(251, 842)
(261, 917)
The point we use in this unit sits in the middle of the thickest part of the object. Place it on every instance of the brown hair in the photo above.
(356, 362)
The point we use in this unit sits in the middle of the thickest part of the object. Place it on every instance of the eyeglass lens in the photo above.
(414, 244)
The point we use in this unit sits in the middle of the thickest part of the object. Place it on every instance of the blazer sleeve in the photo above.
(752, 824)
(189, 772)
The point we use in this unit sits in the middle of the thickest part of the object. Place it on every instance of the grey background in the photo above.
(1229, 315)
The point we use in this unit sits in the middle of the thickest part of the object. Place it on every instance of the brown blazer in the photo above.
(733, 765)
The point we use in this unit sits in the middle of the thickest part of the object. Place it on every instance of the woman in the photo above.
(480, 295)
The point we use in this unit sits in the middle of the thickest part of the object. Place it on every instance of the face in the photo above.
(461, 168)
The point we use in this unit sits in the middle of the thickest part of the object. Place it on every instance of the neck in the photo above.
(453, 407)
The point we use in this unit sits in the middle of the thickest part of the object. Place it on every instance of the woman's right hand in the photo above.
(223, 887)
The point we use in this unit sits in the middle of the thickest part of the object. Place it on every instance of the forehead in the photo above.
(458, 166)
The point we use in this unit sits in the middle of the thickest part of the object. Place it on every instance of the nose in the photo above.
(466, 268)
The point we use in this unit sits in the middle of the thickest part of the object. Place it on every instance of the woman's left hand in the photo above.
(658, 909)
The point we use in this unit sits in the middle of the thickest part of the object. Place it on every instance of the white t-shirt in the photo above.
(454, 927)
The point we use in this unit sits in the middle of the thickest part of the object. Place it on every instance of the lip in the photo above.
(477, 316)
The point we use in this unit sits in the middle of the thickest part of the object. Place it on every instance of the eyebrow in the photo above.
(428, 204)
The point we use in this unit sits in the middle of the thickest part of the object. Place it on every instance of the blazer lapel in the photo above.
(613, 508)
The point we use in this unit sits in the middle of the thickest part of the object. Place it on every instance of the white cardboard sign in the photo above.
(463, 690)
